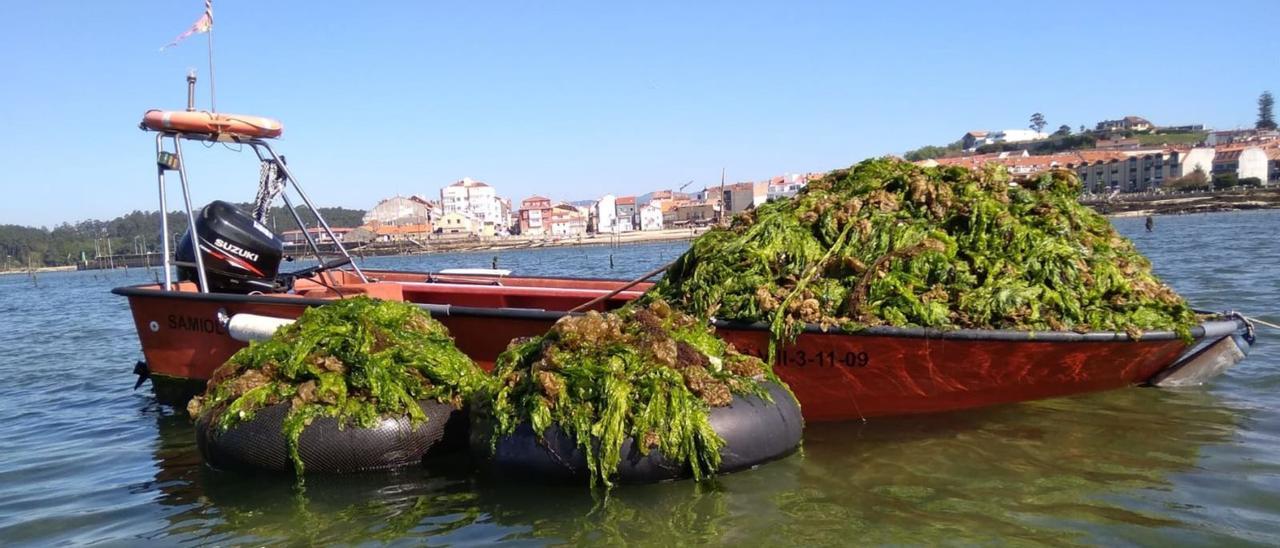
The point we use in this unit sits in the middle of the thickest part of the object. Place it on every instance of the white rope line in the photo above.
(1261, 322)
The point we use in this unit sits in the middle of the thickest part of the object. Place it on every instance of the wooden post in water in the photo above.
(31, 270)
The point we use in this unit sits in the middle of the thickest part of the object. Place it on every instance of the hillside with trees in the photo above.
(1064, 140)
(930, 152)
(127, 234)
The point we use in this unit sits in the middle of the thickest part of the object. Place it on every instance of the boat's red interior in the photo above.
(553, 294)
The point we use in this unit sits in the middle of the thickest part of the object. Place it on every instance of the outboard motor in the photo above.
(240, 255)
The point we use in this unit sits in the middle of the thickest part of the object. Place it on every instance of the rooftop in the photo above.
(469, 182)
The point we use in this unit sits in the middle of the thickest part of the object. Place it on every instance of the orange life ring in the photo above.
(211, 123)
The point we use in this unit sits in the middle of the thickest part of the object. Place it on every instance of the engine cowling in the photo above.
(240, 254)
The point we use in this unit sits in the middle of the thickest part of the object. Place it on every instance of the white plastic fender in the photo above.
(477, 271)
(252, 327)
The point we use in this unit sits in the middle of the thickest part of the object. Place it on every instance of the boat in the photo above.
(229, 291)
(882, 371)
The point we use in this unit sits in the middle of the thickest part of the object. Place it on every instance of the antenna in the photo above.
(191, 90)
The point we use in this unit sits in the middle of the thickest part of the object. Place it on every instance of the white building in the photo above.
(1197, 158)
(975, 139)
(606, 214)
(625, 207)
(567, 220)
(1018, 135)
(1130, 123)
(1245, 162)
(783, 190)
(401, 211)
(477, 199)
(651, 217)
(1253, 163)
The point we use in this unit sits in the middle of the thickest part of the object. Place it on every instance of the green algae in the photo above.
(357, 360)
(647, 373)
(887, 242)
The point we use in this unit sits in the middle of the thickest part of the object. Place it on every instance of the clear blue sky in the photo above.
(573, 100)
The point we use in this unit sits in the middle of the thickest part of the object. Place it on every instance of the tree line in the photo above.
(138, 231)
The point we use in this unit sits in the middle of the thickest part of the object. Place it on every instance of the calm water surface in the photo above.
(85, 459)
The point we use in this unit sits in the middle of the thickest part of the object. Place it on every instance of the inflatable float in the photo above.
(211, 123)
(326, 447)
(755, 431)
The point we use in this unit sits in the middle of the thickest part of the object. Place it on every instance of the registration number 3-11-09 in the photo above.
(820, 358)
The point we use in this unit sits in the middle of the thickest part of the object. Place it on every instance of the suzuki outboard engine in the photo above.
(240, 255)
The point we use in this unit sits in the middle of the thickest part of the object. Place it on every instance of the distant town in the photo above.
(1131, 154)
(469, 209)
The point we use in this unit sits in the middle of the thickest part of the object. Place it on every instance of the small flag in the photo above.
(203, 24)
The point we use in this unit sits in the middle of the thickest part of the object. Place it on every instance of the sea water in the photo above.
(85, 458)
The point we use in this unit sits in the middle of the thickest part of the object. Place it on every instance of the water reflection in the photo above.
(1046, 471)
(1030, 471)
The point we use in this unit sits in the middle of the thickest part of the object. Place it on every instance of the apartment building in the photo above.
(625, 213)
(477, 200)
(534, 215)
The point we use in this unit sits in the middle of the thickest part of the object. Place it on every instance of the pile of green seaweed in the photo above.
(356, 360)
(887, 242)
(648, 373)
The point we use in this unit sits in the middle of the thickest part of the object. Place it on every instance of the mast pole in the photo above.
(723, 202)
(213, 97)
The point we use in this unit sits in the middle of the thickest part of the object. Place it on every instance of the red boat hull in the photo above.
(842, 377)
(835, 376)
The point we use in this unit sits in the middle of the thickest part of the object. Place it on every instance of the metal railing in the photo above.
(264, 153)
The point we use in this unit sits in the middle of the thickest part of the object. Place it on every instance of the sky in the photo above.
(573, 100)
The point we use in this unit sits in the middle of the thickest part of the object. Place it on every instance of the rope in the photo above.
(1234, 314)
(1260, 322)
(270, 183)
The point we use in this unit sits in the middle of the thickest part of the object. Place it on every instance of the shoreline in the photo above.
(431, 247)
(37, 270)
(518, 243)
(1189, 203)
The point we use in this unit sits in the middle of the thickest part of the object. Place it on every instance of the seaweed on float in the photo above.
(643, 372)
(357, 360)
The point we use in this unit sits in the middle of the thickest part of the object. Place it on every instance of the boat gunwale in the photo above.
(486, 277)
(1199, 332)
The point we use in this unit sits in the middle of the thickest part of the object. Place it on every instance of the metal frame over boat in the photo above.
(185, 330)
